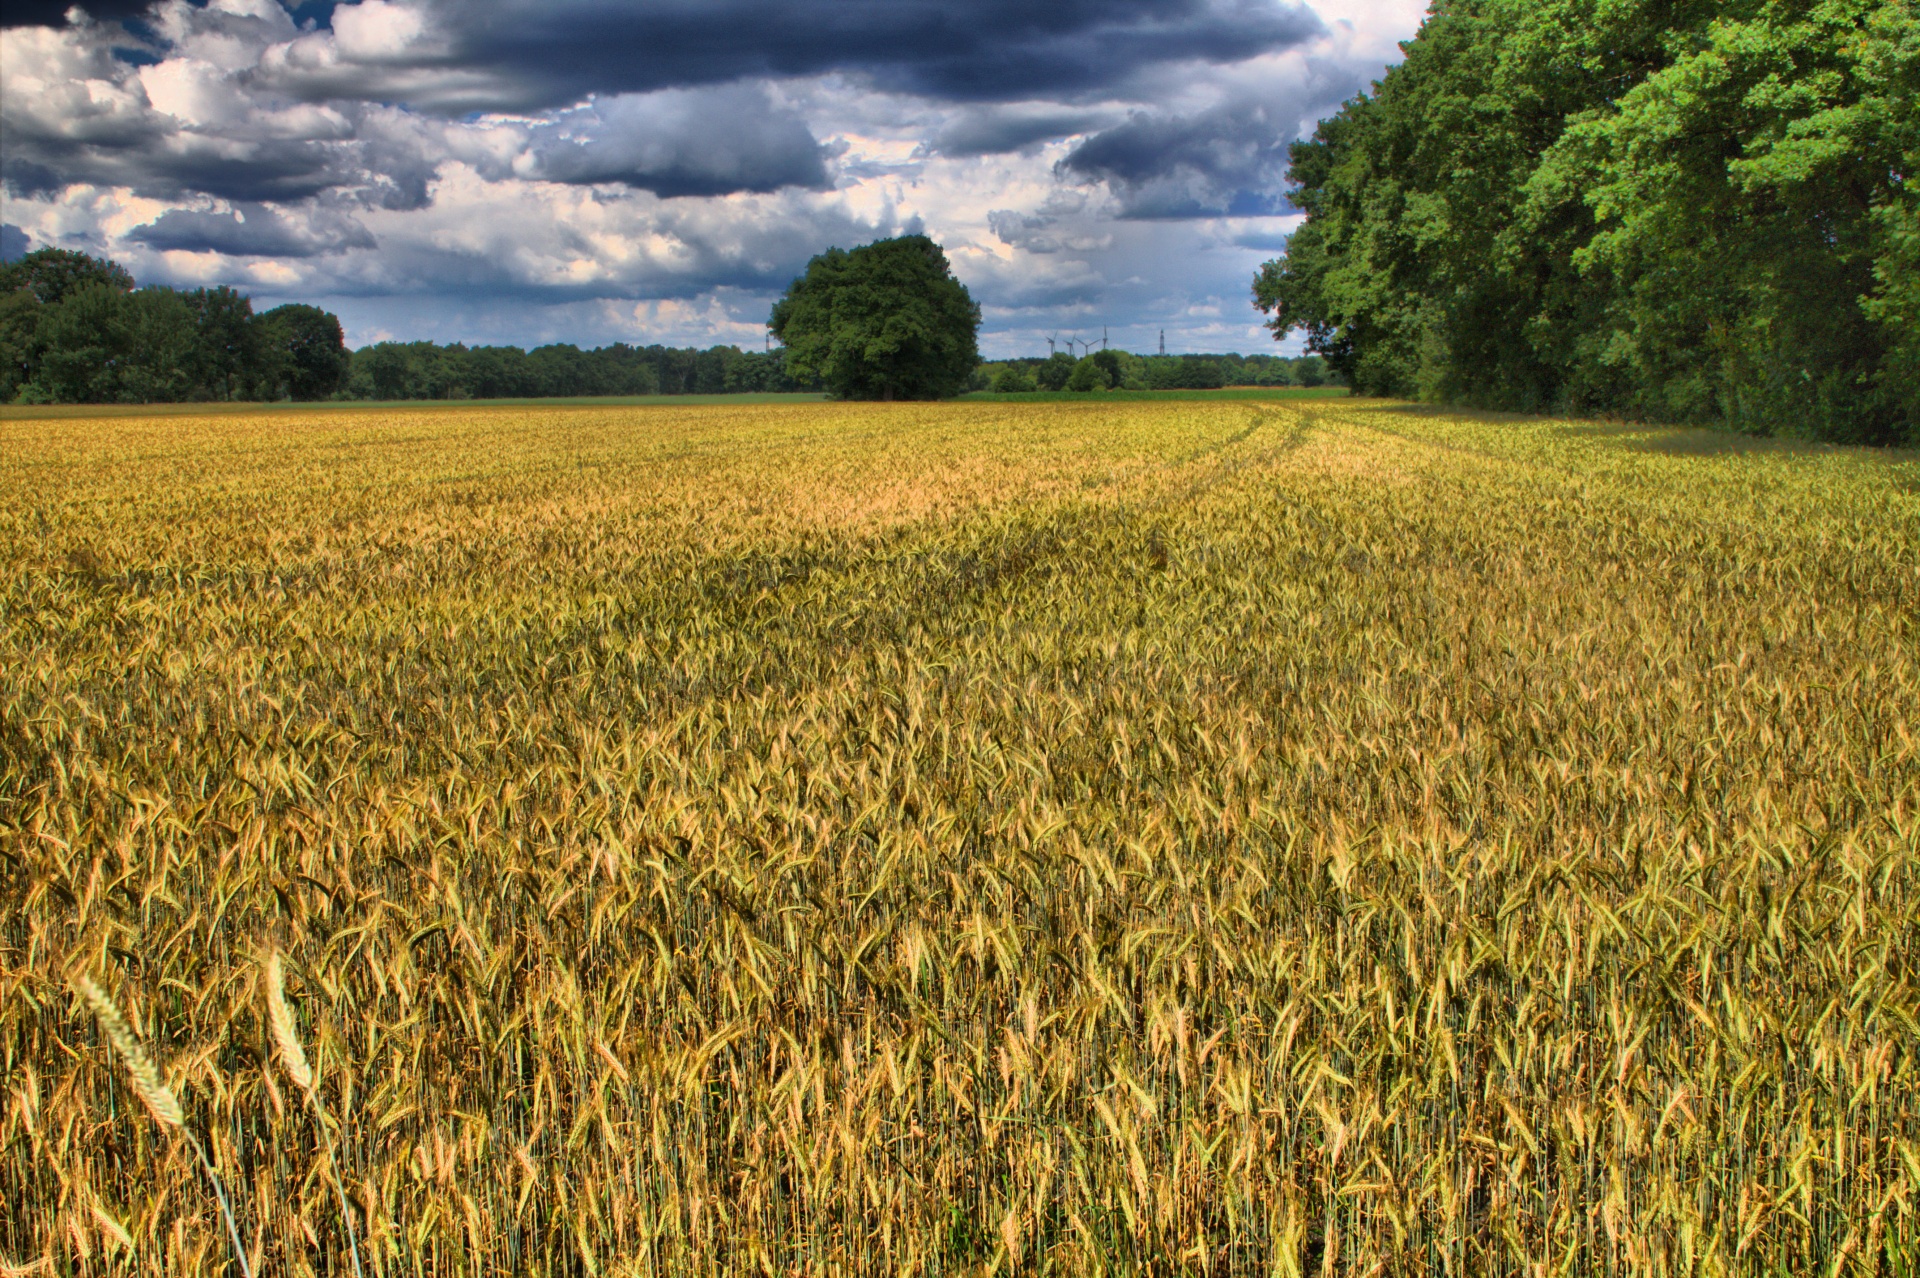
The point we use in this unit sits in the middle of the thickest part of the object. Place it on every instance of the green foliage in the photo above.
(1670, 210)
(1012, 379)
(74, 330)
(1123, 370)
(310, 350)
(50, 274)
(423, 370)
(1052, 375)
(19, 322)
(1087, 375)
(228, 345)
(887, 321)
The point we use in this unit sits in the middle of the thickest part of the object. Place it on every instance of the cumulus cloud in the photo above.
(987, 50)
(530, 242)
(1067, 222)
(1229, 160)
(619, 163)
(1014, 127)
(1219, 148)
(254, 231)
(194, 123)
(680, 142)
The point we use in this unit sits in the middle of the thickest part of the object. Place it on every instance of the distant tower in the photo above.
(1163, 341)
(1103, 337)
(1051, 349)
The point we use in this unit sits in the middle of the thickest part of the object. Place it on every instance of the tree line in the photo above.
(887, 319)
(75, 330)
(1670, 210)
(424, 370)
(1123, 370)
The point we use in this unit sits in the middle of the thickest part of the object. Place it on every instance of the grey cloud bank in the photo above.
(596, 171)
(680, 142)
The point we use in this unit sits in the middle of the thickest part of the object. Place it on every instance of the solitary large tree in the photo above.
(887, 321)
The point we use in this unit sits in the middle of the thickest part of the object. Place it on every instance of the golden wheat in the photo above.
(1215, 838)
(166, 1110)
(286, 1040)
(293, 1058)
(147, 1083)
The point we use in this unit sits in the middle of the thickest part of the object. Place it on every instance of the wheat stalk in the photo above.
(159, 1098)
(161, 1101)
(112, 1228)
(293, 1059)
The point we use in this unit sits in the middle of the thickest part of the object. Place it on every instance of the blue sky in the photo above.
(645, 171)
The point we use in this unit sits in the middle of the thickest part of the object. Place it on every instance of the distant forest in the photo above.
(423, 370)
(76, 330)
(1122, 370)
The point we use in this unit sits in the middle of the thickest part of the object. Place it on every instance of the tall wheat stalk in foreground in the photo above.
(160, 1100)
(293, 1059)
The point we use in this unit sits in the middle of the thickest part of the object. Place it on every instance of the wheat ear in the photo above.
(293, 1059)
(159, 1098)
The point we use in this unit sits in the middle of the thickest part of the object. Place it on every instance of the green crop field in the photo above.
(1235, 836)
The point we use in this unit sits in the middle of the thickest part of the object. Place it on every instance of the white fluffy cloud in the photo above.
(590, 171)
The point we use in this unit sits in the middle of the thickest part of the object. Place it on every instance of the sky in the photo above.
(592, 171)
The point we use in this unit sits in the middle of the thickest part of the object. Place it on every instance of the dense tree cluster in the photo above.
(423, 370)
(75, 330)
(1686, 210)
(1122, 370)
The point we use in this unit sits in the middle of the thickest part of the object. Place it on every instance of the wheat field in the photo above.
(1171, 838)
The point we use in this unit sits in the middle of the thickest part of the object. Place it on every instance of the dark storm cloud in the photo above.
(167, 164)
(542, 53)
(672, 106)
(1231, 160)
(686, 253)
(53, 13)
(997, 130)
(255, 231)
(14, 243)
(682, 142)
(988, 50)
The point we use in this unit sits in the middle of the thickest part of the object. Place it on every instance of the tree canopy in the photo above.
(887, 321)
(427, 370)
(1687, 210)
(75, 330)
